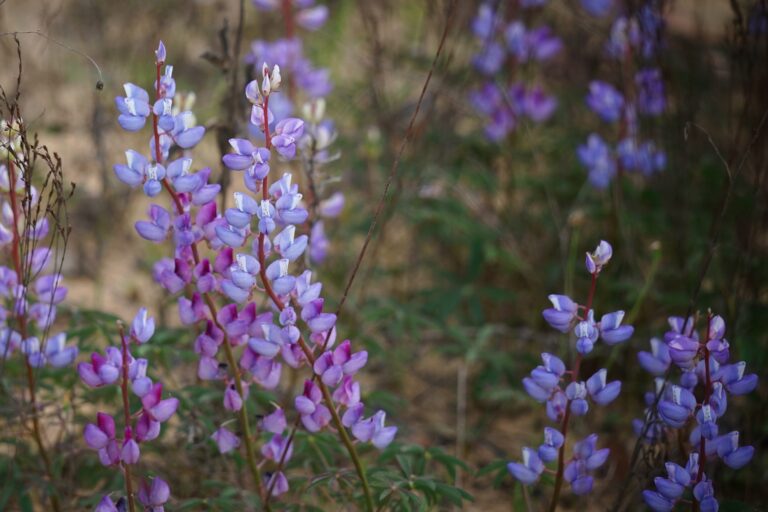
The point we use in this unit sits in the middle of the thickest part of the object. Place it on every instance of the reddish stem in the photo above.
(567, 415)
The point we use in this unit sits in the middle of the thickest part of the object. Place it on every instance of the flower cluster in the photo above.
(504, 102)
(288, 53)
(31, 286)
(172, 127)
(319, 132)
(253, 245)
(632, 39)
(117, 366)
(547, 385)
(704, 363)
(279, 213)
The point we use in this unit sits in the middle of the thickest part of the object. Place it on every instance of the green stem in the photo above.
(350, 447)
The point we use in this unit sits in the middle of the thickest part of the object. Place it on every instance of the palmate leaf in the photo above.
(449, 462)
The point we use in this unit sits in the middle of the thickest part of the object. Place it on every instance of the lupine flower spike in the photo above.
(565, 395)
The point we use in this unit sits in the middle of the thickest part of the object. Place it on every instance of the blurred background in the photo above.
(477, 230)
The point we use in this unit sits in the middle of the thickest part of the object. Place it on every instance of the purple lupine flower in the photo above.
(683, 350)
(97, 435)
(677, 406)
(289, 247)
(490, 59)
(9, 341)
(605, 101)
(156, 407)
(544, 378)
(49, 290)
(312, 18)
(530, 470)
(611, 330)
(597, 259)
(102, 370)
(133, 107)
(541, 44)
(276, 447)
(585, 459)
(133, 173)
(557, 405)
(483, 24)
(717, 345)
(332, 206)
(274, 422)
(596, 156)
(314, 415)
(733, 378)
(55, 354)
(538, 105)
(576, 393)
(287, 133)
(650, 91)
(232, 399)
(601, 392)
(130, 452)
(225, 440)
(553, 440)
(373, 430)
(247, 156)
(587, 333)
(657, 361)
(704, 494)
(562, 313)
(597, 8)
(156, 229)
(318, 243)
(143, 326)
(280, 485)
(733, 456)
(105, 505)
(153, 496)
(348, 392)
